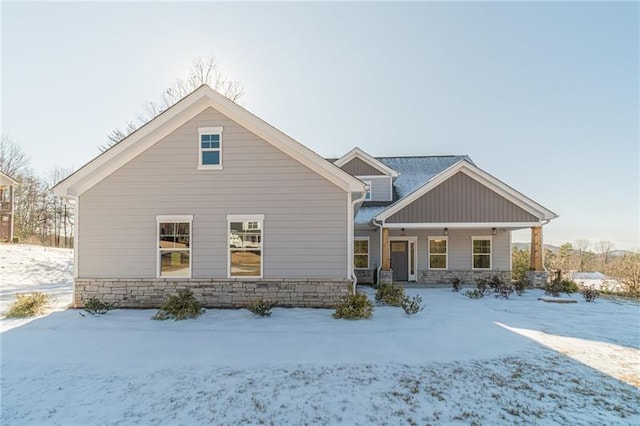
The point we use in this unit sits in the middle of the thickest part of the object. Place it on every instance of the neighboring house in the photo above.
(7, 206)
(209, 197)
(428, 219)
(597, 280)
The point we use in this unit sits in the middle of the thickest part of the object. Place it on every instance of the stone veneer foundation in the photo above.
(150, 293)
(431, 276)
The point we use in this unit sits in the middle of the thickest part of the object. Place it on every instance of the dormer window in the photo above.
(367, 195)
(210, 148)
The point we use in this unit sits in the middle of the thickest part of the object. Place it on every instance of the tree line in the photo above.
(583, 256)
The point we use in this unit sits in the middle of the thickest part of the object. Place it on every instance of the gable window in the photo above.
(245, 246)
(438, 253)
(174, 246)
(367, 195)
(361, 252)
(481, 251)
(210, 148)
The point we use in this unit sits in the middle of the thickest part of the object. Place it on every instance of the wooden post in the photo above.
(536, 248)
(386, 258)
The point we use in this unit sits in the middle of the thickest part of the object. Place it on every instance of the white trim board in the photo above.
(188, 107)
(358, 153)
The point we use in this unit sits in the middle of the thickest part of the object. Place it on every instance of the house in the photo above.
(7, 206)
(209, 197)
(597, 280)
(429, 219)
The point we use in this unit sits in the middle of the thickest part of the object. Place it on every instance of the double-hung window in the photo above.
(438, 252)
(174, 245)
(210, 148)
(481, 251)
(245, 246)
(361, 252)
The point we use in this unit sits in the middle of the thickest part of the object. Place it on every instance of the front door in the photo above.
(400, 260)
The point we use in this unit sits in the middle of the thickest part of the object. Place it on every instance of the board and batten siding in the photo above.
(357, 167)
(461, 199)
(305, 225)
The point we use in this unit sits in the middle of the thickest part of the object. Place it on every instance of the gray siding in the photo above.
(374, 245)
(459, 247)
(357, 167)
(305, 227)
(380, 187)
(461, 199)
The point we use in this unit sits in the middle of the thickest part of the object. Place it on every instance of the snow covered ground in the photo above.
(460, 361)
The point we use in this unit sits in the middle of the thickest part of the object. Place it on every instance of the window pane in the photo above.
(361, 261)
(174, 263)
(437, 261)
(481, 261)
(482, 246)
(361, 246)
(245, 263)
(215, 138)
(205, 138)
(240, 236)
(205, 145)
(211, 157)
(215, 145)
(437, 246)
(182, 228)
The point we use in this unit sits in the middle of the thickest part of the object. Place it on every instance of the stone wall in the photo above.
(364, 276)
(150, 293)
(538, 279)
(431, 276)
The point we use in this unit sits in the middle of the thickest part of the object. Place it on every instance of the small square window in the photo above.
(210, 148)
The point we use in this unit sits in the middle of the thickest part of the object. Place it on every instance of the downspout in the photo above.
(353, 267)
(379, 225)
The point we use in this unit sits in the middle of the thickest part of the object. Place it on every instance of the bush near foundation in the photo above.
(261, 308)
(28, 305)
(95, 306)
(178, 307)
(390, 294)
(354, 307)
(590, 293)
(456, 282)
(412, 306)
(559, 285)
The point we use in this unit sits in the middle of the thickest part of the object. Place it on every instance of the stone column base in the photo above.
(386, 277)
(538, 279)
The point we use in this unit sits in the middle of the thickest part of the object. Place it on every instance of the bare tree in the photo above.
(584, 255)
(627, 270)
(604, 248)
(202, 71)
(13, 159)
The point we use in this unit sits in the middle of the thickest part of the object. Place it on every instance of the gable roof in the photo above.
(483, 178)
(188, 107)
(8, 179)
(358, 153)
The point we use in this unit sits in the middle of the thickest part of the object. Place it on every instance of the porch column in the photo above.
(536, 249)
(11, 220)
(386, 274)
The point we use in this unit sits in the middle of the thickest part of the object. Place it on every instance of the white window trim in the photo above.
(245, 218)
(367, 239)
(209, 131)
(446, 254)
(176, 219)
(484, 237)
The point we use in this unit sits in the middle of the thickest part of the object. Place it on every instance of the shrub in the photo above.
(28, 305)
(474, 294)
(455, 283)
(261, 308)
(412, 306)
(179, 307)
(558, 285)
(590, 293)
(390, 294)
(495, 283)
(505, 291)
(521, 285)
(94, 306)
(354, 307)
(481, 284)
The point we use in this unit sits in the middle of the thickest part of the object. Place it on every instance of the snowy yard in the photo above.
(460, 361)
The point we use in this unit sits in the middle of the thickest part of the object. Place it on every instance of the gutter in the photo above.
(379, 225)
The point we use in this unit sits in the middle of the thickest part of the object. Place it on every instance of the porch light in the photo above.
(494, 231)
(402, 232)
(446, 231)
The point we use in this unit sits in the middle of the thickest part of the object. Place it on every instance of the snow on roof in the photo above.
(414, 173)
(588, 276)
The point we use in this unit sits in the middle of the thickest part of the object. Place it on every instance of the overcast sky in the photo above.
(542, 95)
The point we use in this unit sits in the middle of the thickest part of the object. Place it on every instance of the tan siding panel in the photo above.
(461, 199)
(305, 226)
